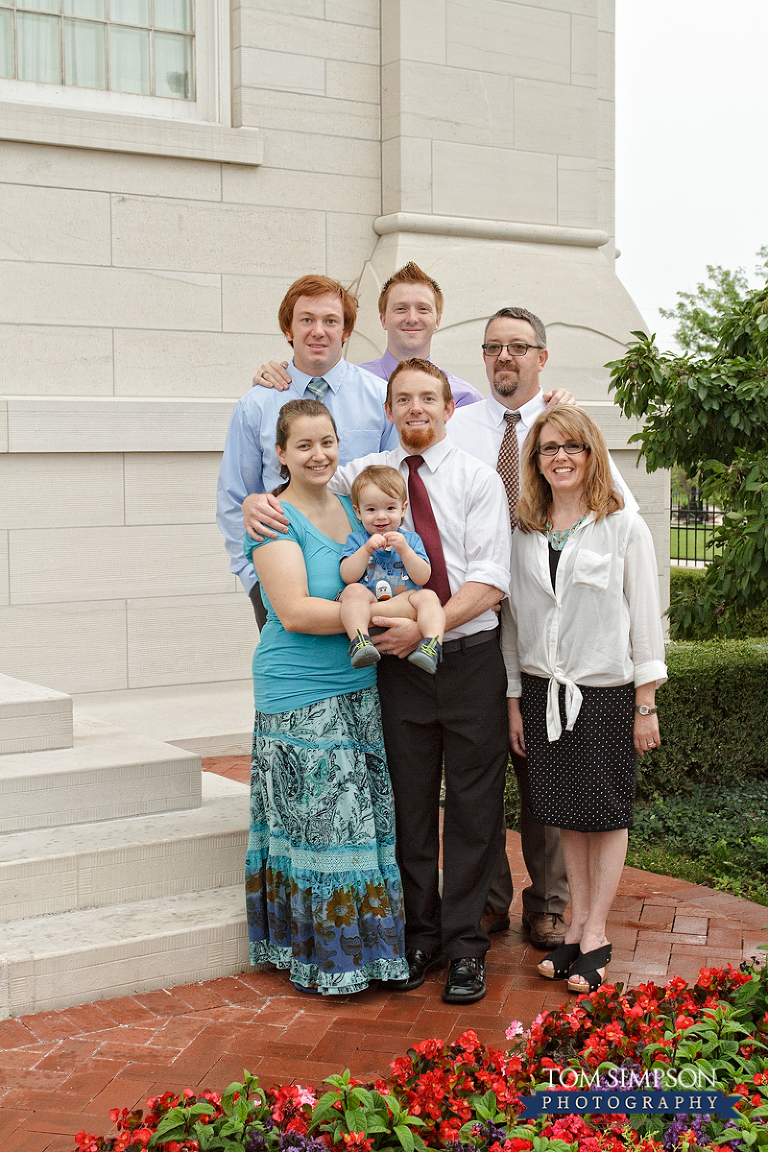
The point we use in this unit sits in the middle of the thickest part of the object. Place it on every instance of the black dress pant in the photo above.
(454, 721)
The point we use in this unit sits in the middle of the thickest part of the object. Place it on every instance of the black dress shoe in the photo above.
(419, 963)
(466, 981)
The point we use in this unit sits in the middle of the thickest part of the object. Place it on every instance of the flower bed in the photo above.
(464, 1097)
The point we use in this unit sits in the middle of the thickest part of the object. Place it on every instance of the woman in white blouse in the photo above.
(584, 649)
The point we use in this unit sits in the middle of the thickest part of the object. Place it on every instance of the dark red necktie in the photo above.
(425, 524)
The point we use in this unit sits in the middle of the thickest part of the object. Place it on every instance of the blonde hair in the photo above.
(387, 479)
(600, 496)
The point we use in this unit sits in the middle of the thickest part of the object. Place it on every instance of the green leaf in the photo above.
(405, 1136)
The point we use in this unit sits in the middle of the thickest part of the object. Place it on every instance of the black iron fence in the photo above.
(691, 530)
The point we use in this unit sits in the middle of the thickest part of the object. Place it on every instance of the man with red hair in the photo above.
(316, 316)
(410, 311)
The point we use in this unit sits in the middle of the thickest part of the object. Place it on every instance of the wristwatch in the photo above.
(645, 710)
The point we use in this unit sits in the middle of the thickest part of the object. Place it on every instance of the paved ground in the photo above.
(62, 1071)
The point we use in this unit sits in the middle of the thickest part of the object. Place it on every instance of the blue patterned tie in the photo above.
(318, 386)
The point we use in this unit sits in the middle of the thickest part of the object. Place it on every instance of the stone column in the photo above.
(497, 179)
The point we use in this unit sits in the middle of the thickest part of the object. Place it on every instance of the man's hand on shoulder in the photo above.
(273, 374)
(263, 516)
(559, 396)
(402, 636)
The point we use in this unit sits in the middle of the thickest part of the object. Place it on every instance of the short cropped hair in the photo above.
(416, 364)
(520, 314)
(313, 285)
(600, 496)
(410, 273)
(387, 479)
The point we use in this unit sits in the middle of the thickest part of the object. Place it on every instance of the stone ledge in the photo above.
(213, 719)
(56, 961)
(84, 866)
(477, 229)
(33, 718)
(108, 774)
(114, 424)
(143, 135)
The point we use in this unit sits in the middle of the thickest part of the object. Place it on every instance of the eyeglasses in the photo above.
(516, 349)
(572, 448)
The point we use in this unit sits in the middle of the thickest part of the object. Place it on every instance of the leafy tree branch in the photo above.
(709, 415)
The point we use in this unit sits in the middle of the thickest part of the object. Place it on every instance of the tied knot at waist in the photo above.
(573, 700)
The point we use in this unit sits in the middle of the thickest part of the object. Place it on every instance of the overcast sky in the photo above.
(691, 144)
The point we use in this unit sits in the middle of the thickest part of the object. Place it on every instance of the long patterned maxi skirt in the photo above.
(323, 891)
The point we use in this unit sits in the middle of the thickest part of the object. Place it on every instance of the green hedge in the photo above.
(754, 624)
(713, 713)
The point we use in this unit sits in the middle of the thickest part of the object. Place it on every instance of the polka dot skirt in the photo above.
(586, 780)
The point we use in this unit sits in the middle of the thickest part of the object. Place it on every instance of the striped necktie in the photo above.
(318, 386)
(508, 465)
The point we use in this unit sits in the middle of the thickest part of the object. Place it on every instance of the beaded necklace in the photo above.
(557, 540)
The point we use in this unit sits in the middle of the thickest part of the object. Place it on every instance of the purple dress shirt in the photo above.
(463, 393)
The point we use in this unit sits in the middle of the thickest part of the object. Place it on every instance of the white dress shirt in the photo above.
(600, 627)
(471, 512)
(479, 429)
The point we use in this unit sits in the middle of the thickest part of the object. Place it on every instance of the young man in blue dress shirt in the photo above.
(317, 316)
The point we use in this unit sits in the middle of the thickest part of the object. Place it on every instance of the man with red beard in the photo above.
(455, 720)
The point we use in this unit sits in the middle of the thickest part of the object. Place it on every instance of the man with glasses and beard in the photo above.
(515, 353)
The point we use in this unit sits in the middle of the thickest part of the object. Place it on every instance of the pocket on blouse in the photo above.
(592, 569)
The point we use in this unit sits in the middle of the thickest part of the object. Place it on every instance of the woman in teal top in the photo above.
(323, 891)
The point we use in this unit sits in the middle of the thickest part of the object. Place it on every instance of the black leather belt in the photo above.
(472, 641)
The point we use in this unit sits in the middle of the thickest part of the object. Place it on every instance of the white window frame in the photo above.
(66, 115)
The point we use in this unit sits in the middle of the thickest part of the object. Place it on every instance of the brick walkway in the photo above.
(63, 1071)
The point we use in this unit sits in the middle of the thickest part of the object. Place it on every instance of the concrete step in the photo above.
(210, 719)
(106, 775)
(82, 866)
(32, 718)
(77, 957)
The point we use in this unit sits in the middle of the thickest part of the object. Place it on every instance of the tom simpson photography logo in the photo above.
(624, 1090)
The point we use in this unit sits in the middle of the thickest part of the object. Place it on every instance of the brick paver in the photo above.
(62, 1071)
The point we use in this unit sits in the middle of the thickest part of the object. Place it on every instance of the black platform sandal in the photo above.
(587, 966)
(561, 959)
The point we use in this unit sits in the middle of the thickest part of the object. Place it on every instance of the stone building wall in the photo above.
(142, 259)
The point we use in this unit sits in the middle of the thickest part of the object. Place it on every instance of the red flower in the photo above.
(86, 1142)
(357, 1140)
